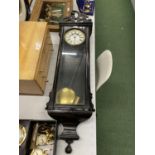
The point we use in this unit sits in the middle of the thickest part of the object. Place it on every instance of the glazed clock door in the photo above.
(71, 77)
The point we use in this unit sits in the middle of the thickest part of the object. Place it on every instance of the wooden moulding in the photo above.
(37, 10)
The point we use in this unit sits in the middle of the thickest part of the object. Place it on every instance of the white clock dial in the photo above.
(74, 37)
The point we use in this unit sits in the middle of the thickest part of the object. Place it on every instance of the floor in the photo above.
(115, 101)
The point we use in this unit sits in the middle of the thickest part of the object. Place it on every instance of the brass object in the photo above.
(51, 11)
(76, 100)
(38, 152)
(67, 96)
(45, 135)
(41, 139)
(22, 134)
(44, 139)
(87, 10)
(87, 7)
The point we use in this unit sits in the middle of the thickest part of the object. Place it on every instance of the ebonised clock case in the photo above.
(71, 115)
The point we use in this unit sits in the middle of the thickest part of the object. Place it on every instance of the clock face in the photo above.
(74, 37)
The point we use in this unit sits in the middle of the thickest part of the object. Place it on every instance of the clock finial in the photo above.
(77, 17)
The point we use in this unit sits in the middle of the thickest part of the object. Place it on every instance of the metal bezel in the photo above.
(76, 30)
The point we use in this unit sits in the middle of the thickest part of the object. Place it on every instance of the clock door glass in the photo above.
(70, 89)
(74, 37)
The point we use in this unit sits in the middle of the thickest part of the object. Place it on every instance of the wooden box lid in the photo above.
(31, 39)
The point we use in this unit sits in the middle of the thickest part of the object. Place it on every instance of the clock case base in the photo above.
(70, 123)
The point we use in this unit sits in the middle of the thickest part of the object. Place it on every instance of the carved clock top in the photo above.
(77, 17)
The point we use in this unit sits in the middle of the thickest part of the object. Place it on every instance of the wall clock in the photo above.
(70, 99)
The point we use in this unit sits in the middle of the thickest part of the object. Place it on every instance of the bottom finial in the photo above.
(68, 149)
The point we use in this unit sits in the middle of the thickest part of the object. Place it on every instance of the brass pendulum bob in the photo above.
(67, 96)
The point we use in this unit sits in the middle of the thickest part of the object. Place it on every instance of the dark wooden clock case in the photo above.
(70, 116)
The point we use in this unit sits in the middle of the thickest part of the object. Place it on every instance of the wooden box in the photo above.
(35, 48)
(58, 9)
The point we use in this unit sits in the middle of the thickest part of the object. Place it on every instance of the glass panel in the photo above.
(71, 76)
